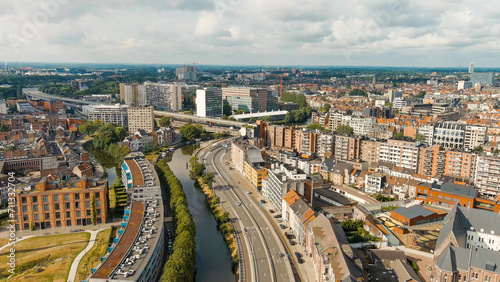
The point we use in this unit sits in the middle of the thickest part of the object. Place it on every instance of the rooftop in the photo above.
(413, 211)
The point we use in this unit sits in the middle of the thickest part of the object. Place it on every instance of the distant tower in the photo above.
(471, 67)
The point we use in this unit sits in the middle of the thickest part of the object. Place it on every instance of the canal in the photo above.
(213, 260)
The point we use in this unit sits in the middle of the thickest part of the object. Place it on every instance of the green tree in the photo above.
(121, 133)
(266, 119)
(240, 112)
(419, 137)
(19, 91)
(478, 149)
(326, 108)
(93, 213)
(399, 136)
(315, 126)
(345, 130)
(357, 92)
(251, 120)
(227, 110)
(3, 128)
(190, 131)
(208, 179)
(420, 94)
(13, 109)
(165, 121)
(224, 117)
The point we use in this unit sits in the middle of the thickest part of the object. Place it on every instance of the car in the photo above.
(238, 203)
(277, 216)
(298, 255)
(293, 243)
(271, 211)
(248, 192)
(282, 226)
(263, 201)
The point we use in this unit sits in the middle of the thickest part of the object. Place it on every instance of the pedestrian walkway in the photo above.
(76, 262)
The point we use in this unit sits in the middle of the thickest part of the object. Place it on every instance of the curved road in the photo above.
(262, 243)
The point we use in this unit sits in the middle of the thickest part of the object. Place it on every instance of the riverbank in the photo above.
(223, 224)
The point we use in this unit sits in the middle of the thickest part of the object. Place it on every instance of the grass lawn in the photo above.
(46, 258)
(3, 242)
(92, 258)
(152, 157)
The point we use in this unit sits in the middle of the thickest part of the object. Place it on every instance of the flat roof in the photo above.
(122, 248)
(413, 211)
(260, 114)
(327, 193)
(137, 177)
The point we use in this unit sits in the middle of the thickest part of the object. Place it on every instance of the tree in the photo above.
(240, 112)
(496, 151)
(3, 128)
(399, 136)
(13, 109)
(266, 119)
(420, 94)
(227, 110)
(190, 131)
(93, 213)
(345, 130)
(251, 120)
(121, 133)
(326, 108)
(357, 92)
(19, 91)
(208, 179)
(165, 121)
(231, 118)
(478, 149)
(420, 137)
(315, 126)
(224, 117)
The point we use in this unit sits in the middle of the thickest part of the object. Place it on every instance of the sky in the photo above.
(440, 33)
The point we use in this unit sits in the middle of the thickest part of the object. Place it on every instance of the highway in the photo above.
(261, 243)
(200, 119)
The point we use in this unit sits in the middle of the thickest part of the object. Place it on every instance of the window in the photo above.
(78, 214)
(87, 204)
(58, 215)
(56, 198)
(34, 199)
(25, 218)
(68, 222)
(25, 208)
(98, 203)
(45, 199)
(67, 206)
(45, 207)
(35, 208)
(88, 212)
(77, 196)
(66, 197)
(58, 223)
(23, 200)
(56, 207)
(97, 195)
(68, 214)
(47, 215)
(98, 211)
(87, 195)
(36, 216)
(77, 205)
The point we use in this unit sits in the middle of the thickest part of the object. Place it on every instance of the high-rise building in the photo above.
(450, 135)
(248, 99)
(132, 94)
(400, 153)
(463, 85)
(3, 107)
(471, 67)
(165, 97)
(186, 73)
(475, 136)
(209, 102)
(485, 78)
(487, 176)
(281, 179)
(116, 114)
(394, 94)
(140, 118)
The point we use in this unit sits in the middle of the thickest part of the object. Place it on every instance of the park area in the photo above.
(92, 258)
(46, 258)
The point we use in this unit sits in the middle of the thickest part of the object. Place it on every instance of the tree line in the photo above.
(181, 266)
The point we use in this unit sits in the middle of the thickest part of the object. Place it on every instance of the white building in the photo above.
(374, 183)
(209, 102)
(475, 135)
(487, 176)
(116, 114)
(3, 107)
(282, 178)
(400, 153)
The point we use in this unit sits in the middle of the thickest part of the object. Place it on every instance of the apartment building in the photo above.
(186, 73)
(281, 179)
(46, 204)
(209, 102)
(475, 136)
(133, 94)
(347, 148)
(449, 134)
(436, 161)
(297, 213)
(325, 145)
(369, 150)
(400, 153)
(165, 97)
(375, 183)
(140, 118)
(487, 176)
(117, 114)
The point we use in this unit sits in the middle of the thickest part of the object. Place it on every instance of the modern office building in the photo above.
(137, 252)
(186, 73)
(248, 99)
(165, 97)
(485, 78)
(46, 204)
(463, 85)
(117, 114)
(209, 102)
(140, 118)
(132, 94)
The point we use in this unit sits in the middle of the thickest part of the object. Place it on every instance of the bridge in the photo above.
(34, 93)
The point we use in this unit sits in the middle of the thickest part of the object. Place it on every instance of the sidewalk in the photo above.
(76, 262)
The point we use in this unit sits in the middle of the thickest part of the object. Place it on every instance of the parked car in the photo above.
(277, 216)
(293, 243)
(238, 203)
(282, 226)
(271, 211)
(248, 192)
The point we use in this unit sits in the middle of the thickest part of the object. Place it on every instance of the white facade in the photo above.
(475, 136)
(116, 114)
(481, 238)
(487, 176)
(209, 102)
(3, 107)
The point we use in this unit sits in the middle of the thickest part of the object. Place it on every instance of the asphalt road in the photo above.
(261, 242)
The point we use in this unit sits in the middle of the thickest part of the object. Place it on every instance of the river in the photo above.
(213, 260)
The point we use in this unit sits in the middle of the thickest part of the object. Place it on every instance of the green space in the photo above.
(92, 258)
(44, 258)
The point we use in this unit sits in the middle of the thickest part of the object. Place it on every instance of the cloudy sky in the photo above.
(253, 32)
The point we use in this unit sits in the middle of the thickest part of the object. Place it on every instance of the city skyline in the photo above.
(233, 32)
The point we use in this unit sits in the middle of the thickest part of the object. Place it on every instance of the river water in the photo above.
(213, 260)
